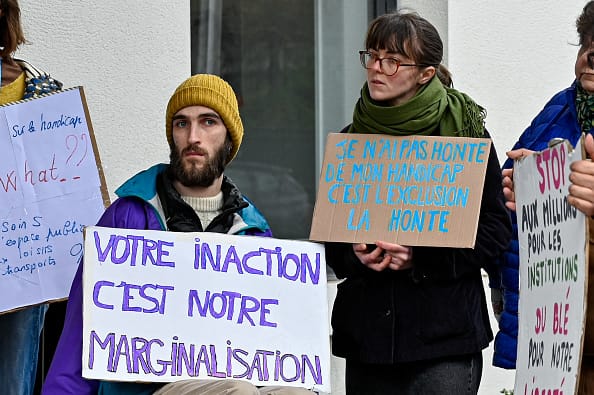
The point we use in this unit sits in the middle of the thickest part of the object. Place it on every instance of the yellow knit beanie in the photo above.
(209, 91)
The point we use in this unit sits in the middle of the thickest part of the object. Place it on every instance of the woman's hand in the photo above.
(581, 190)
(508, 178)
(384, 256)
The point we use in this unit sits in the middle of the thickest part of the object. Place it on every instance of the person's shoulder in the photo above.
(37, 81)
(563, 97)
(558, 118)
(143, 184)
(128, 213)
(253, 217)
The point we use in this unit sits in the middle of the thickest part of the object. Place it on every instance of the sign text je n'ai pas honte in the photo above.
(386, 185)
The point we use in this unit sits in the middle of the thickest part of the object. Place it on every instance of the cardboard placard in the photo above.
(51, 185)
(553, 273)
(166, 306)
(411, 190)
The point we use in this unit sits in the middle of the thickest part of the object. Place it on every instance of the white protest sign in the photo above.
(553, 267)
(50, 187)
(166, 306)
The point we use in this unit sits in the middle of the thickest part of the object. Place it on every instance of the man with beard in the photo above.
(191, 194)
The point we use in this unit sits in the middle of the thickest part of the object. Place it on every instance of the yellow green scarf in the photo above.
(434, 110)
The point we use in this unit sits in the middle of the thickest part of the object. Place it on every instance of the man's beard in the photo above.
(192, 176)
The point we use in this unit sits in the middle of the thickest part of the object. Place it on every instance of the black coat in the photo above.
(436, 309)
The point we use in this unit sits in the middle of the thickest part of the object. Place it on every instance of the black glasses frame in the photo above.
(364, 53)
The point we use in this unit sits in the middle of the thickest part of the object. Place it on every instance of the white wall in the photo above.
(511, 57)
(128, 55)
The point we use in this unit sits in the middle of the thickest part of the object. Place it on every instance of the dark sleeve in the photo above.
(342, 259)
(493, 236)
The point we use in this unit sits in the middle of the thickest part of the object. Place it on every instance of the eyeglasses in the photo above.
(388, 66)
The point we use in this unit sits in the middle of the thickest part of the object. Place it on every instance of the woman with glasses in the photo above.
(567, 115)
(413, 320)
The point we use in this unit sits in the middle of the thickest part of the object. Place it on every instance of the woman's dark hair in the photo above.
(445, 76)
(409, 34)
(11, 31)
(585, 24)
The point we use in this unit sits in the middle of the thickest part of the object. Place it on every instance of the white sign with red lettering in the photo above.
(552, 236)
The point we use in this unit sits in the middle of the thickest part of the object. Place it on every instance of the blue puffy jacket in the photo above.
(557, 119)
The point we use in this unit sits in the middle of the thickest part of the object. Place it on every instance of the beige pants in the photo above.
(225, 387)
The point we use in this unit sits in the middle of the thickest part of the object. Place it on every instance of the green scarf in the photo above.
(584, 105)
(435, 109)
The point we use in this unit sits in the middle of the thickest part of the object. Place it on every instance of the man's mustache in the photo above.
(194, 148)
